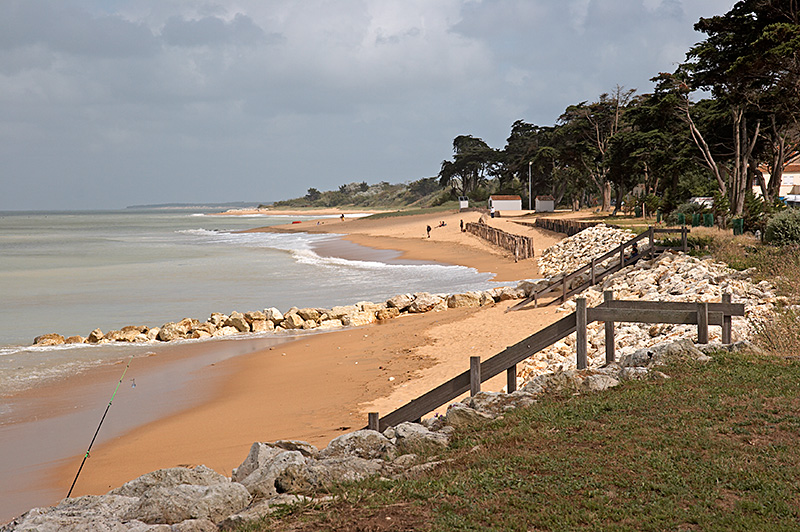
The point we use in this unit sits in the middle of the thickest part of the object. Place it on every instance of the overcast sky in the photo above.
(110, 103)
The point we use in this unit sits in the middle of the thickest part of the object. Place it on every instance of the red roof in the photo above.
(505, 198)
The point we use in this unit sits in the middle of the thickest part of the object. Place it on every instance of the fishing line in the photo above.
(98, 427)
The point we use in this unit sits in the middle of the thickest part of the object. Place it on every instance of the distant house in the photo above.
(545, 204)
(790, 179)
(463, 202)
(505, 203)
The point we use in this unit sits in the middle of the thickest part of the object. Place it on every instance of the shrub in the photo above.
(784, 228)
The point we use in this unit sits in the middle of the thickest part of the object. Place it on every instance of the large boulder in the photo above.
(318, 475)
(401, 302)
(292, 321)
(359, 318)
(425, 302)
(49, 339)
(237, 320)
(170, 477)
(387, 313)
(460, 415)
(465, 300)
(171, 331)
(261, 481)
(165, 504)
(495, 404)
(367, 444)
(664, 353)
(339, 312)
(90, 513)
(274, 315)
(94, 337)
(410, 437)
(310, 314)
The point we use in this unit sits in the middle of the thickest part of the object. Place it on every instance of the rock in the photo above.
(49, 339)
(261, 481)
(318, 475)
(425, 302)
(339, 313)
(387, 313)
(274, 315)
(508, 293)
(357, 319)
(309, 324)
(170, 477)
(304, 448)
(75, 340)
(369, 306)
(400, 302)
(195, 525)
(259, 456)
(170, 331)
(217, 319)
(94, 336)
(165, 504)
(90, 513)
(330, 324)
(206, 327)
(152, 334)
(367, 444)
(460, 415)
(664, 353)
(259, 326)
(466, 300)
(292, 321)
(598, 383)
(309, 314)
(495, 404)
(122, 336)
(226, 331)
(238, 321)
(259, 510)
(255, 315)
(409, 437)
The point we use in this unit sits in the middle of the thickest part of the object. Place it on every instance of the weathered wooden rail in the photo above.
(594, 272)
(521, 246)
(610, 311)
(559, 225)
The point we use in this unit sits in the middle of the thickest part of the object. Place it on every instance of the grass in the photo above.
(714, 447)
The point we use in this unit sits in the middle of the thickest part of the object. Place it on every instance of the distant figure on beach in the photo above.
(429, 231)
(442, 224)
(634, 250)
(491, 211)
(342, 216)
(462, 226)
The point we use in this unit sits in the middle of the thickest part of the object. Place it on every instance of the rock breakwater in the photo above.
(577, 250)
(272, 320)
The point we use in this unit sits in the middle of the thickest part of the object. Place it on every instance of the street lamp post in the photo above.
(529, 184)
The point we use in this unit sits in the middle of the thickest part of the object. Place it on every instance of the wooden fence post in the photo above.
(621, 256)
(684, 242)
(593, 266)
(511, 379)
(474, 375)
(608, 295)
(564, 289)
(374, 421)
(652, 240)
(727, 321)
(580, 324)
(702, 323)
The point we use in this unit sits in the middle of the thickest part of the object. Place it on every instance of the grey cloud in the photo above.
(62, 28)
(211, 30)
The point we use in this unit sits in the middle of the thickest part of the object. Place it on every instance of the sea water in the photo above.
(72, 272)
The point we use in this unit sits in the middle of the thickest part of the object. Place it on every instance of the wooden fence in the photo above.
(520, 246)
(569, 227)
(610, 311)
(592, 272)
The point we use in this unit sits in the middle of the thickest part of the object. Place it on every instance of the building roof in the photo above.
(505, 198)
(545, 198)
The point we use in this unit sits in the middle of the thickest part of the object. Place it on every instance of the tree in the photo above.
(313, 194)
(470, 166)
(750, 63)
(596, 124)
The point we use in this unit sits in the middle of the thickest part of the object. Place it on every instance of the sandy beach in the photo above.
(312, 388)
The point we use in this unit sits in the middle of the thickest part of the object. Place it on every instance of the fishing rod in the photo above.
(98, 427)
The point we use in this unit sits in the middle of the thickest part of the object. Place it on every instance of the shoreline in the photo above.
(224, 391)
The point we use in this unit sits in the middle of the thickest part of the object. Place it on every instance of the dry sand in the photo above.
(313, 388)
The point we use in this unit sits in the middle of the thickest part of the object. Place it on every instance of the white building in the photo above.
(505, 203)
(545, 204)
(790, 179)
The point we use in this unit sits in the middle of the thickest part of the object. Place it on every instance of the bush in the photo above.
(784, 228)
(688, 209)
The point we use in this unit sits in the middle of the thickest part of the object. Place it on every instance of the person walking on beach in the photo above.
(462, 226)
(429, 231)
